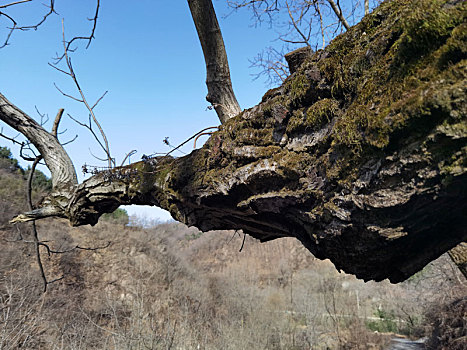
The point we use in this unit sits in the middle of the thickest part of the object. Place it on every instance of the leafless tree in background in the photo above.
(298, 23)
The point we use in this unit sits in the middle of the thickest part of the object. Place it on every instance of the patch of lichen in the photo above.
(297, 88)
(371, 116)
(455, 48)
(187, 172)
(425, 27)
(144, 176)
(253, 136)
(456, 164)
(314, 117)
(296, 121)
(296, 162)
(321, 112)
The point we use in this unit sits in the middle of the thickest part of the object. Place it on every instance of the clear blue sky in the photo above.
(146, 55)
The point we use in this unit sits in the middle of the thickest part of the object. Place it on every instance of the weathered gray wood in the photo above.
(220, 91)
(55, 156)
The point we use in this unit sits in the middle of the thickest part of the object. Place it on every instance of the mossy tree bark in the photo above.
(360, 154)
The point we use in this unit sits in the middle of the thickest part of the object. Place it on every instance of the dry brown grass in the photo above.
(171, 287)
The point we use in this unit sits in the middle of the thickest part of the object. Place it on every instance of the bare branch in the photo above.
(91, 36)
(57, 120)
(35, 26)
(318, 11)
(189, 139)
(220, 91)
(101, 159)
(271, 64)
(34, 228)
(26, 27)
(14, 3)
(23, 28)
(60, 70)
(99, 99)
(70, 72)
(70, 141)
(67, 95)
(128, 155)
(12, 139)
(77, 247)
(89, 127)
(338, 11)
(199, 135)
(10, 32)
(56, 158)
(305, 39)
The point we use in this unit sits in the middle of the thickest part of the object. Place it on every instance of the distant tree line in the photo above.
(39, 182)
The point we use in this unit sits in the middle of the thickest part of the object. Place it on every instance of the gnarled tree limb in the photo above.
(360, 154)
(55, 156)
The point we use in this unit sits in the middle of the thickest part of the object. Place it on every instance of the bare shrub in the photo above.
(448, 324)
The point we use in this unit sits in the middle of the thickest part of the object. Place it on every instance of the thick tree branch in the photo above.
(56, 158)
(360, 154)
(337, 10)
(220, 91)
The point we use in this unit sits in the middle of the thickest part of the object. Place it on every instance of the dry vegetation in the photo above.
(172, 287)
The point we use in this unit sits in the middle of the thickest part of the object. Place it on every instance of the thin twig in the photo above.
(14, 3)
(243, 242)
(34, 228)
(77, 247)
(197, 137)
(191, 138)
(128, 155)
(12, 139)
(91, 36)
(338, 11)
(70, 72)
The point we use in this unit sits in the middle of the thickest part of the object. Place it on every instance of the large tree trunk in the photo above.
(360, 154)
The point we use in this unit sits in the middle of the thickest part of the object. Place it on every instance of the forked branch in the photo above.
(55, 156)
(82, 99)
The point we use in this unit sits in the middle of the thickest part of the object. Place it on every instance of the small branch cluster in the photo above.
(300, 23)
(69, 71)
(14, 24)
(50, 6)
(177, 148)
(27, 150)
(271, 64)
(110, 174)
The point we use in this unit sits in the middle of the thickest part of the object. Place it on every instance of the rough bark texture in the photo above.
(55, 156)
(459, 257)
(360, 154)
(296, 58)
